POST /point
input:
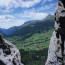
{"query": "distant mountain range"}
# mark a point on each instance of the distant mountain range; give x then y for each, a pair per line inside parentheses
(6, 32)
(29, 27)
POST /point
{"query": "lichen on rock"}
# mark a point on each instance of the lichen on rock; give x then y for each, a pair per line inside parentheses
(9, 54)
(56, 52)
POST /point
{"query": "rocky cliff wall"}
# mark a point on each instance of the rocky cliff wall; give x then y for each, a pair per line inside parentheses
(56, 52)
(9, 54)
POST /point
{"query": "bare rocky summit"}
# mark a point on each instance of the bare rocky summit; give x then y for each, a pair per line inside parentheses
(9, 54)
(56, 52)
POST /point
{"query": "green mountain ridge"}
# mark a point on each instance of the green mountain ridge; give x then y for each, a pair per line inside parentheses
(31, 27)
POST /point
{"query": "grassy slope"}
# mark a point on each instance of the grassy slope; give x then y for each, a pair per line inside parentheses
(35, 42)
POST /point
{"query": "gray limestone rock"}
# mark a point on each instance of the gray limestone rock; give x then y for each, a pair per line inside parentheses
(56, 52)
(9, 54)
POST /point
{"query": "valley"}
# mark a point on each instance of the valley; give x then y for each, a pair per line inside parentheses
(32, 39)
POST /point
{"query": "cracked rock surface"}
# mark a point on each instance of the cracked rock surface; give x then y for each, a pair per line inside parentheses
(56, 52)
(9, 54)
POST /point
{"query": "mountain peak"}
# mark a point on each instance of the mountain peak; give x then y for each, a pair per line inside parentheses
(49, 16)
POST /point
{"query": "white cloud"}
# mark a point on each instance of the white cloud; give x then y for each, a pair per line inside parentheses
(44, 1)
(29, 3)
(37, 16)
(6, 16)
(49, 0)
(7, 5)
(46, 7)
(31, 15)
(7, 21)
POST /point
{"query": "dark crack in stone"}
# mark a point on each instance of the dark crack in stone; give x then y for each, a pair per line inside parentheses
(1, 63)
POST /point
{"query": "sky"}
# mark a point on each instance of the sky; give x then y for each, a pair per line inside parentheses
(16, 12)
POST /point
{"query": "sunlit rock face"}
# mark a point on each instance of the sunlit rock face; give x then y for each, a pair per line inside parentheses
(56, 52)
(9, 54)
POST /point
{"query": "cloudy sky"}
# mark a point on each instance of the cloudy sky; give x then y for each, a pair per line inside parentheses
(16, 12)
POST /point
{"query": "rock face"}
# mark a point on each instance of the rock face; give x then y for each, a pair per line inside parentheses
(56, 52)
(9, 54)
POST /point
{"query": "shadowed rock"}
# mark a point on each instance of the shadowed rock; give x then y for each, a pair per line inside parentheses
(9, 54)
(56, 52)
